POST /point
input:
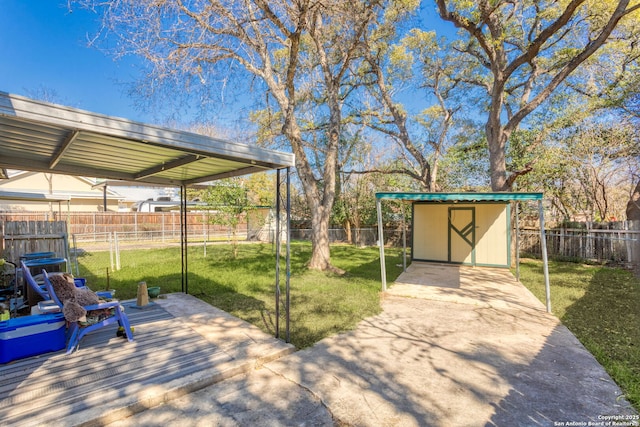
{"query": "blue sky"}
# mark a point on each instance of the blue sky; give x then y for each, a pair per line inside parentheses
(44, 47)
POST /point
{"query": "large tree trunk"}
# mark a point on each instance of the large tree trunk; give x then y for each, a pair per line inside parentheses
(320, 255)
(319, 197)
(633, 206)
(319, 204)
(496, 139)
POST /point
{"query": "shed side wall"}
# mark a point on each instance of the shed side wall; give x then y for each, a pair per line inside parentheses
(492, 246)
(430, 232)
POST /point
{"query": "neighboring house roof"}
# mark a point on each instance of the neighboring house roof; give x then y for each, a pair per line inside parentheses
(64, 187)
(24, 196)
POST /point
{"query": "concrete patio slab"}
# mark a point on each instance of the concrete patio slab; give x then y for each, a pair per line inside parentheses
(453, 346)
(433, 363)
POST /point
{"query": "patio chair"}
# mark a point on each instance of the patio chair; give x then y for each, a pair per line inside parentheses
(40, 290)
(77, 330)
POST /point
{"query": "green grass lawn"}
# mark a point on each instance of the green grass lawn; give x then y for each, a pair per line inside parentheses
(322, 304)
(601, 306)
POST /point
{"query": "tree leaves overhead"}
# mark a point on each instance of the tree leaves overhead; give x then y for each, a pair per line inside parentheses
(384, 86)
(527, 50)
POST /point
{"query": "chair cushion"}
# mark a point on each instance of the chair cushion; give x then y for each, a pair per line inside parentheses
(63, 288)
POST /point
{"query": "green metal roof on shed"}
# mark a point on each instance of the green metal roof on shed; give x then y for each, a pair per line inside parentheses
(460, 197)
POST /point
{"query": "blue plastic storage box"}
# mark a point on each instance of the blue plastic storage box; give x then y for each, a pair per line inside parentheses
(31, 335)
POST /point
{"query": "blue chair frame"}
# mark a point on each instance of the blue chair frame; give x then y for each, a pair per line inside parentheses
(42, 289)
(77, 332)
(31, 281)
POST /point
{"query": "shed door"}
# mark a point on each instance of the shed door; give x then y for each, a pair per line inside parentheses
(462, 235)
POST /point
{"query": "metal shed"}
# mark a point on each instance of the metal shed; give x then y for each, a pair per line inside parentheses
(44, 137)
(462, 228)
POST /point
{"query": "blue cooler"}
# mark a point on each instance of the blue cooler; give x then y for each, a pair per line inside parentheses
(31, 335)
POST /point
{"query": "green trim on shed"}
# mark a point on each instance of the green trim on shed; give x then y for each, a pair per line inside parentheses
(462, 197)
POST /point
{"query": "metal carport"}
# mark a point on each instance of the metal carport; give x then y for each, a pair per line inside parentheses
(462, 198)
(44, 137)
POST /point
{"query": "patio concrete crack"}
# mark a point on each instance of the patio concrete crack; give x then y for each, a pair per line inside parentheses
(337, 421)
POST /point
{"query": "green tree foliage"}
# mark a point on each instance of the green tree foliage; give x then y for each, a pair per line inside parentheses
(355, 206)
(524, 51)
(359, 86)
(261, 189)
(289, 51)
(465, 166)
(394, 61)
(586, 170)
(228, 205)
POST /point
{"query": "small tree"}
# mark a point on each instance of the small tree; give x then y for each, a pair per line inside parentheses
(633, 205)
(229, 204)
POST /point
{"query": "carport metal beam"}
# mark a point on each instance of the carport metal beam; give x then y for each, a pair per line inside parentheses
(65, 146)
(468, 198)
(182, 161)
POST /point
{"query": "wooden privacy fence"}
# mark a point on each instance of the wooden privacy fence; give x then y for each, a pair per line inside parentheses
(359, 236)
(98, 226)
(21, 237)
(24, 232)
(619, 246)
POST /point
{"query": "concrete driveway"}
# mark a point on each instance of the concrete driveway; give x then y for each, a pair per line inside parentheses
(454, 346)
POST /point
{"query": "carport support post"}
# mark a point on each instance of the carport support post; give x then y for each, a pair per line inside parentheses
(104, 197)
(277, 290)
(545, 261)
(288, 267)
(404, 239)
(517, 241)
(183, 238)
(288, 254)
(383, 270)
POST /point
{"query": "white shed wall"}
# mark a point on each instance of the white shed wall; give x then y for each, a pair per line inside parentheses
(431, 233)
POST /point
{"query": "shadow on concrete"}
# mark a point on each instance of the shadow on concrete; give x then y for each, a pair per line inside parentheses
(444, 362)
(562, 384)
(424, 361)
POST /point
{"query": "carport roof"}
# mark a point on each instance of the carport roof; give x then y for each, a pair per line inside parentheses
(460, 197)
(43, 137)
